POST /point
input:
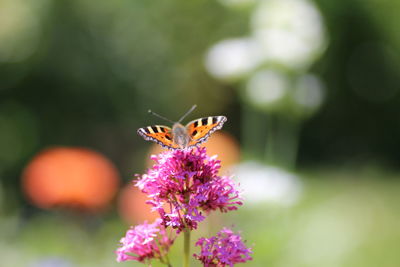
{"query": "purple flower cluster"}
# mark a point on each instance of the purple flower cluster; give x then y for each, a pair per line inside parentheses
(185, 183)
(144, 242)
(226, 248)
(183, 186)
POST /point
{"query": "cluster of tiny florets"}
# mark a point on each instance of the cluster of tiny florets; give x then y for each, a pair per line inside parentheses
(183, 184)
(224, 249)
(144, 242)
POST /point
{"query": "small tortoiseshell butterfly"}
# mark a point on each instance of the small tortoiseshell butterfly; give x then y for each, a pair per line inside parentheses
(179, 137)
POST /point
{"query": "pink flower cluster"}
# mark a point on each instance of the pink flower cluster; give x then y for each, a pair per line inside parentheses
(226, 248)
(144, 242)
(184, 184)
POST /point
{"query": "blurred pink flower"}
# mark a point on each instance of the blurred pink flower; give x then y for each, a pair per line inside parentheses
(144, 242)
(226, 248)
(187, 180)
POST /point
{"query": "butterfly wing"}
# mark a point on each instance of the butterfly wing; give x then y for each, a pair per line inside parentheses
(159, 134)
(199, 130)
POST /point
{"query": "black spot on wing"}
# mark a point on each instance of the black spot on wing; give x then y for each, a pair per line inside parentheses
(195, 124)
(204, 121)
(194, 132)
(214, 120)
(145, 133)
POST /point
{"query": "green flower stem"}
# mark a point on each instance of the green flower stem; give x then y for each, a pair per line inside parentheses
(186, 248)
(271, 136)
(253, 132)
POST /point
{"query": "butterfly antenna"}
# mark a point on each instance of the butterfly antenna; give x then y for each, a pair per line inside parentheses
(159, 116)
(187, 113)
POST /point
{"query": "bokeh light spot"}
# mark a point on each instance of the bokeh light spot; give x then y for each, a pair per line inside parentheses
(231, 59)
(19, 30)
(70, 177)
(309, 92)
(266, 184)
(132, 206)
(291, 32)
(266, 87)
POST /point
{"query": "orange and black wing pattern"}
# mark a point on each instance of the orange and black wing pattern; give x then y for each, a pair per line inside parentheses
(159, 134)
(199, 130)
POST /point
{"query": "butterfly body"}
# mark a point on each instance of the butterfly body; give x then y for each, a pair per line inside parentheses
(180, 136)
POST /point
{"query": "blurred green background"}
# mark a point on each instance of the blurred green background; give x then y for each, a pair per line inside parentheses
(83, 74)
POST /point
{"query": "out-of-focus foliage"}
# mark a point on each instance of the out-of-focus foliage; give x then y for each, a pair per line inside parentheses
(94, 70)
(339, 223)
(79, 73)
(361, 67)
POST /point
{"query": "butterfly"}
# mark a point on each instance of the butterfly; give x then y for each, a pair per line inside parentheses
(180, 137)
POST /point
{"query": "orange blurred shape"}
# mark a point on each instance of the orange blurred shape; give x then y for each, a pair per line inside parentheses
(78, 178)
(219, 143)
(132, 206)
